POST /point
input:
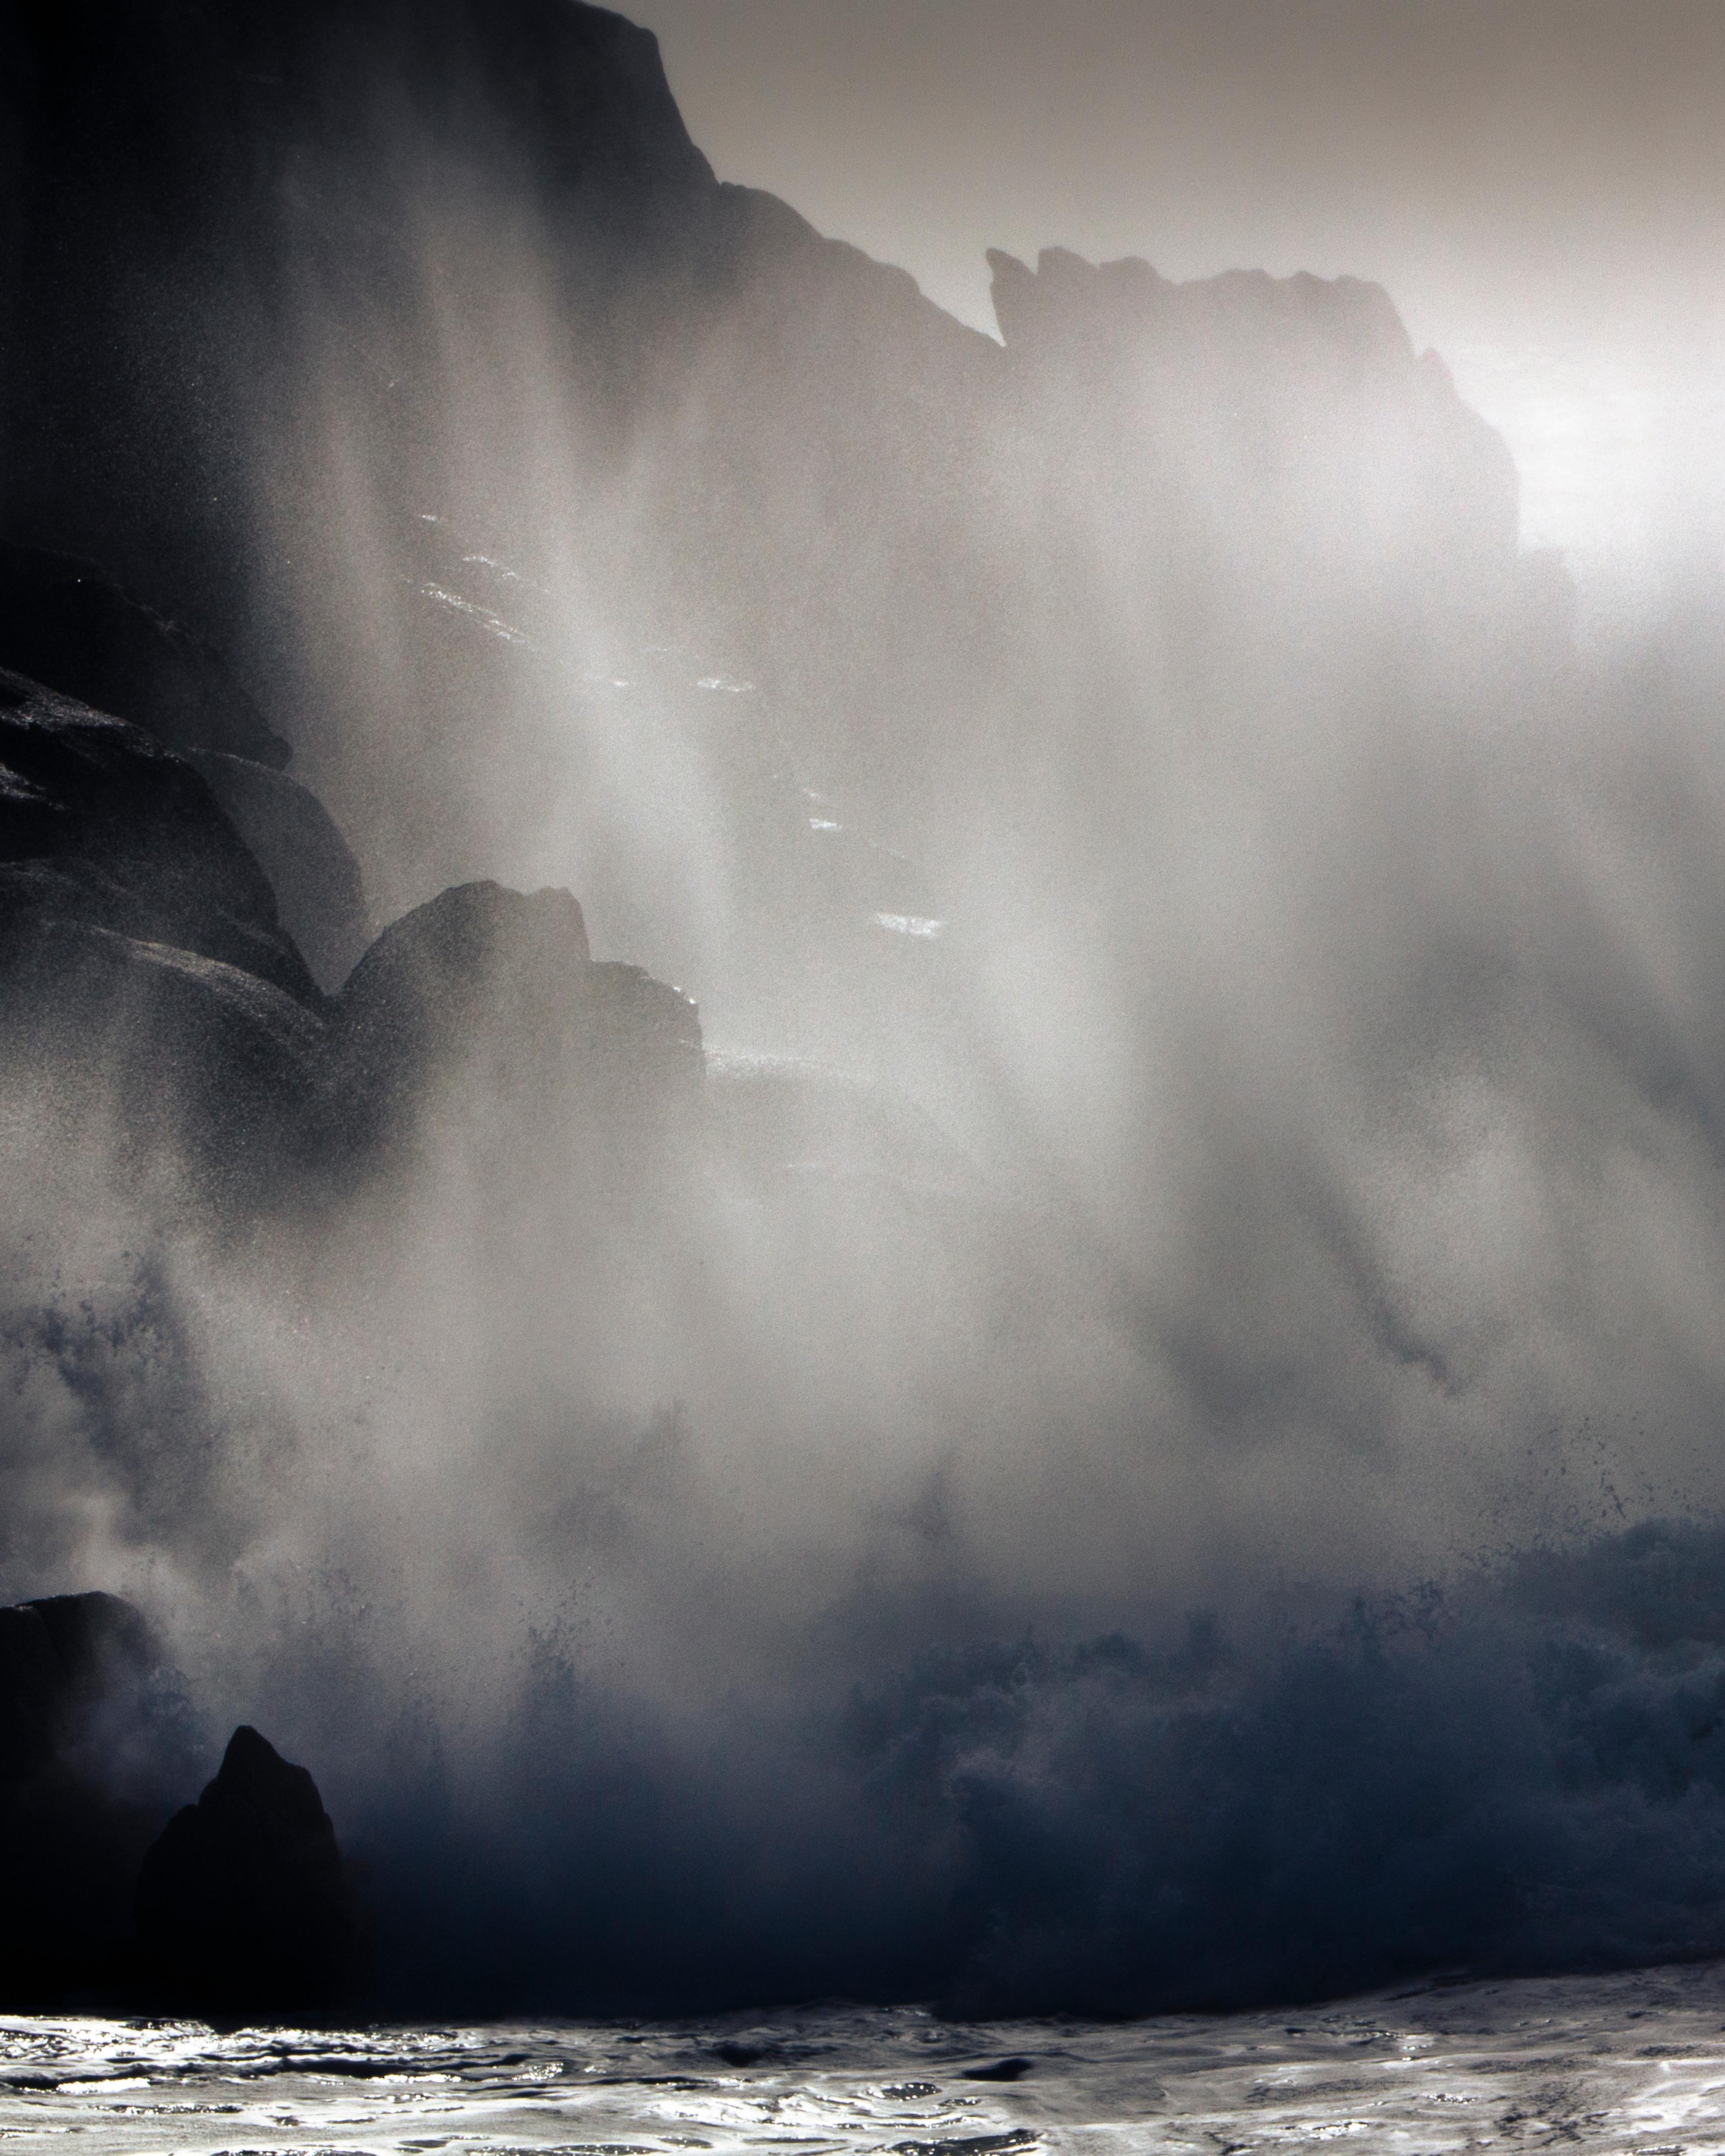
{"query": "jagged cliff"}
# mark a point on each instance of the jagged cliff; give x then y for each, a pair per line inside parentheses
(303, 293)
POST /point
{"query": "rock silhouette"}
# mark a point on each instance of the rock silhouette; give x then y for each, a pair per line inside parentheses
(67, 625)
(102, 827)
(80, 1763)
(147, 977)
(58, 1656)
(244, 1903)
(747, 374)
(478, 1023)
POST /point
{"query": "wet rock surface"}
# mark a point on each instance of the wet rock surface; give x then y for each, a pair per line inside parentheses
(153, 999)
(152, 985)
(102, 827)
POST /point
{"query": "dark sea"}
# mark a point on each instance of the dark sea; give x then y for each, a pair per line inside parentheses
(1626, 2061)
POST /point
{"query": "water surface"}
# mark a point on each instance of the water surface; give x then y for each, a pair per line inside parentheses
(1632, 2062)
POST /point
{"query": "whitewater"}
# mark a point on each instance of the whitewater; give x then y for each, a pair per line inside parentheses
(1631, 2062)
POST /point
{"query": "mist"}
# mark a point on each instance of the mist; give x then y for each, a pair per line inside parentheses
(1147, 1433)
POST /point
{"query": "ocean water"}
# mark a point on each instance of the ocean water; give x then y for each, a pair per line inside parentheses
(1632, 2062)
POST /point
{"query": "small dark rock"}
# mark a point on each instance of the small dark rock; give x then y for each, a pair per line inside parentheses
(244, 1904)
(1002, 2070)
(58, 1656)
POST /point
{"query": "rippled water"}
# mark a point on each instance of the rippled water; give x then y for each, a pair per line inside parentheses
(1630, 2062)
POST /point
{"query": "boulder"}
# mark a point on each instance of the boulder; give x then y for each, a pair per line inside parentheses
(244, 1904)
(484, 1009)
(298, 846)
(102, 826)
(58, 1656)
(153, 1003)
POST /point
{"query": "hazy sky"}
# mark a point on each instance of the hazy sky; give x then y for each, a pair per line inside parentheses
(1539, 183)
(1524, 143)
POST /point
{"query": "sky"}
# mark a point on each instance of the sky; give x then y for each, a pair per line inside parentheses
(1540, 184)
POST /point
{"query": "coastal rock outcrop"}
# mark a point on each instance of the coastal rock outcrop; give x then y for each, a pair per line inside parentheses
(103, 827)
(79, 1769)
(483, 1012)
(152, 998)
(65, 623)
(319, 891)
(58, 1656)
(244, 1903)
(1267, 466)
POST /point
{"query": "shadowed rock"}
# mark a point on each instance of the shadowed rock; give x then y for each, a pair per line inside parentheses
(57, 1656)
(298, 845)
(102, 826)
(85, 1743)
(244, 1904)
(65, 623)
(151, 1000)
(483, 1007)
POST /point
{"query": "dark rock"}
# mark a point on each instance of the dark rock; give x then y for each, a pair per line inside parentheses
(84, 1749)
(229, 163)
(484, 1005)
(212, 157)
(152, 993)
(1012, 2069)
(65, 625)
(152, 1001)
(103, 827)
(297, 842)
(58, 1656)
(171, 1063)
(244, 1903)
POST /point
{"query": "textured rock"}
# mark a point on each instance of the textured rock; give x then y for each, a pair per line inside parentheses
(244, 1904)
(485, 1006)
(152, 1002)
(295, 840)
(745, 373)
(102, 827)
(65, 625)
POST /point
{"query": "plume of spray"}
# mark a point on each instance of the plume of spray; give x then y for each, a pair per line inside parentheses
(1212, 1010)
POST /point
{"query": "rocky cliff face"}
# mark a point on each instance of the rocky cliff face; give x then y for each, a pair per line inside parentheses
(153, 997)
(1274, 443)
(297, 288)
